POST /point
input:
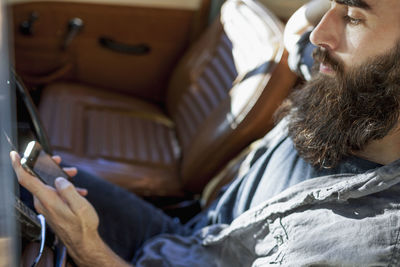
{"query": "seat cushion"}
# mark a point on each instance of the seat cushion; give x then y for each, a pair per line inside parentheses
(220, 98)
(124, 140)
(223, 93)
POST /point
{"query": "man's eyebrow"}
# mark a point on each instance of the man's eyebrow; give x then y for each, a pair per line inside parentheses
(354, 3)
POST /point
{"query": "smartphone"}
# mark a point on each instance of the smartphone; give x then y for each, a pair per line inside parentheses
(40, 164)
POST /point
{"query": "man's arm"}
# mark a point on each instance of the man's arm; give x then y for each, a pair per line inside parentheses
(303, 19)
(72, 218)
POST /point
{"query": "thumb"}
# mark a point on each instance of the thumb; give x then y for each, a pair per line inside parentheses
(68, 193)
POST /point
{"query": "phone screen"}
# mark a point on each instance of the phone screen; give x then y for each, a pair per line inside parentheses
(46, 169)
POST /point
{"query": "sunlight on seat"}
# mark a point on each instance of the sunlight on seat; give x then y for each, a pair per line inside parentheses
(255, 45)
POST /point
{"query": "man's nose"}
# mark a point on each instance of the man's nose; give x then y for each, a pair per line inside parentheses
(327, 33)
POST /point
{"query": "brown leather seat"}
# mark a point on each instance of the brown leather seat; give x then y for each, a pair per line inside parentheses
(221, 97)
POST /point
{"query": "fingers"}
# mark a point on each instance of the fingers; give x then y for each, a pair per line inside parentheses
(71, 171)
(15, 160)
(57, 159)
(82, 191)
(38, 206)
(69, 194)
(33, 184)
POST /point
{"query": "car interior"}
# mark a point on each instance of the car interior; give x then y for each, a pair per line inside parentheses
(156, 96)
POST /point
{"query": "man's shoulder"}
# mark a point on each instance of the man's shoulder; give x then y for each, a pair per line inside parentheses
(269, 142)
(279, 132)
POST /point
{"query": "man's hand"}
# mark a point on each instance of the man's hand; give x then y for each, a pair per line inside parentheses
(71, 171)
(70, 215)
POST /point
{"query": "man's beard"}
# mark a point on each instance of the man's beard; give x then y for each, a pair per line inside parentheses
(333, 117)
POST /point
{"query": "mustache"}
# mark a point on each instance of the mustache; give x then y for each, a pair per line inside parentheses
(321, 55)
(333, 117)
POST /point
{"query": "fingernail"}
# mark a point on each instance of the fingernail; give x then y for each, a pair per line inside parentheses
(61, 183)
(14, 155)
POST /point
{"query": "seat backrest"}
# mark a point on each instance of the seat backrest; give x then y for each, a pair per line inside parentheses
(224, 91)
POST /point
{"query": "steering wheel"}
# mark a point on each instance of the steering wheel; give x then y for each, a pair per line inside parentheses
(37, 124)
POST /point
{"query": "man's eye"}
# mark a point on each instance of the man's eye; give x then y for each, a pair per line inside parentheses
(352, 21)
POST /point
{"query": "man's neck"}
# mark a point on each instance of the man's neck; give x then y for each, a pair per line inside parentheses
(383, 151)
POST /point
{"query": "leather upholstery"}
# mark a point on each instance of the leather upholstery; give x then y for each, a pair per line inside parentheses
(167, 31)
(238, 166)
(125, 140)
(30, 253)
(220, 98)
(237, 75)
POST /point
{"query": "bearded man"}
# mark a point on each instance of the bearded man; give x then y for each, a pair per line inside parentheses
(322, 189)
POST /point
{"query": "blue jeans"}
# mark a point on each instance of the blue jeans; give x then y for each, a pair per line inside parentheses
(126, 221)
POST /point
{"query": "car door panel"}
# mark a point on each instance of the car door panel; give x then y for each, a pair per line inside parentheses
(165, 30)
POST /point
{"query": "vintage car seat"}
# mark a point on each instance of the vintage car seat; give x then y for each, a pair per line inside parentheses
(220, 98)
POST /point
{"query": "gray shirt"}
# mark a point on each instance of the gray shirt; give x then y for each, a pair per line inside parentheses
(335, 220)
(270, 169)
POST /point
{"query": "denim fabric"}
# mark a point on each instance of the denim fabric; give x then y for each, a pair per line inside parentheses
(335, 220)
(274, 166)
(126, 221)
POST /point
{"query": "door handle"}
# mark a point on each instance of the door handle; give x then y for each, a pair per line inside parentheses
(75, 25)
(26, 27)
(132, 49)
